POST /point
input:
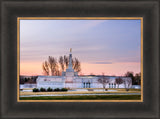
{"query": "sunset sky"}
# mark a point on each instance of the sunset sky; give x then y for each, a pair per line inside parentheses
(109, 46)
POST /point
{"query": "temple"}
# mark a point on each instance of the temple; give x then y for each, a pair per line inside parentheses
(70, 73)
(70, 79)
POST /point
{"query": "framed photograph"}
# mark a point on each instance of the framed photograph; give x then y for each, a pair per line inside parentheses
(80, 59)
(107, 67)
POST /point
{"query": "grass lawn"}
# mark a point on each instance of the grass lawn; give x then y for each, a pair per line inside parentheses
(78, 92)
(84, 97)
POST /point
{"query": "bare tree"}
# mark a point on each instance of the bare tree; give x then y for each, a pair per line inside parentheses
(103, 80)
(52, 64)
(66, 61)
(137, 79)
(61, 62)
(57, 72)
(55, 68)
(118, 81)
(45, 67)
(77, 65)
(127, 83)
(130, 74)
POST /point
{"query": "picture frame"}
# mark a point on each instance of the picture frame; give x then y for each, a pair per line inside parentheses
(148, 9)
(140, 97)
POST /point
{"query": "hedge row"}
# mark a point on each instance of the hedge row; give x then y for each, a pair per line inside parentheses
(49, 89)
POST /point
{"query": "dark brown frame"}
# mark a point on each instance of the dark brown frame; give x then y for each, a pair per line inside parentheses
(11, 9)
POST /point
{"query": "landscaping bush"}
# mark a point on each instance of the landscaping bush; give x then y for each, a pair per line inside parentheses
(64, 89)
(35, 90)
(42, 89)
(49, 89)
(56, 89)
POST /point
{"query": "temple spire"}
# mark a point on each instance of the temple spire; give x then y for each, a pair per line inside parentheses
(70, 69)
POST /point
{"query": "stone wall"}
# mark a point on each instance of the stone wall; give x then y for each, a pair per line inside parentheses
(79, 82)
(22, 86)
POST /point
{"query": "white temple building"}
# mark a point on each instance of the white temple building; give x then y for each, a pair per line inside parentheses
(70, 79)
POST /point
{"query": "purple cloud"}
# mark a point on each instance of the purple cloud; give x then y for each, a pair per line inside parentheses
(101, 62)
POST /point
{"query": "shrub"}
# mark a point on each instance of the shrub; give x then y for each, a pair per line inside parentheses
(56, 89)
(127, 89)
(35, 90)
(49, 89)
(42, 89)
(64, 89)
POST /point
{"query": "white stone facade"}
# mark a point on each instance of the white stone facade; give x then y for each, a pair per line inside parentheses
(79, 82)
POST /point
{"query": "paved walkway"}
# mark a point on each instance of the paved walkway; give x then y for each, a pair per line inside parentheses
(81, 94)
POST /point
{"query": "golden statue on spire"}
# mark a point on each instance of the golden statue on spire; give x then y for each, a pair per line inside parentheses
(70, 50)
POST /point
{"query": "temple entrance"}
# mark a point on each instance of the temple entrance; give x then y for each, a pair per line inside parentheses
(87, 85)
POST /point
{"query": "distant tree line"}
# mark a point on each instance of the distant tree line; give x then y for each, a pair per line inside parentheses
(31, 79)
(55, 67)
(136, 79)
